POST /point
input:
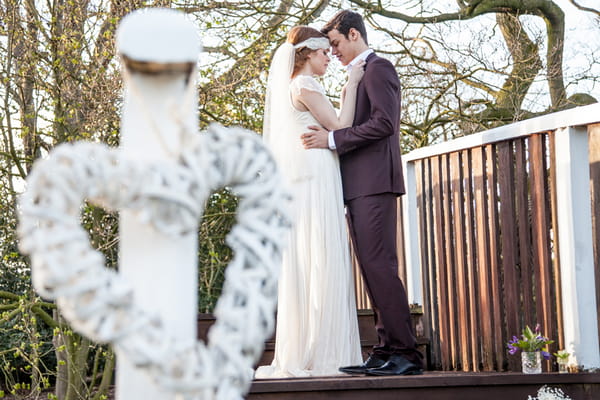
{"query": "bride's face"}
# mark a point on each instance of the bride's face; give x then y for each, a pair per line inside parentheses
(318, 61)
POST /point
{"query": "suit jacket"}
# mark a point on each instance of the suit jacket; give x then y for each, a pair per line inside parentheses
(369, 151)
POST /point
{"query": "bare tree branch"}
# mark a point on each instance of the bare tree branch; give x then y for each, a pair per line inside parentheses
(588, 9)
(546, 9)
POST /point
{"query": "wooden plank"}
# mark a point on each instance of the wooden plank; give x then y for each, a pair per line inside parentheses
(470, 242)
(422, 232)
(540, 225)
(449, 261)
(483, 257)
(494, 262)
(430, 386)
(508, 218)
(594, 155)
(524, 231)
(360, 290)
(430, 265)
(400, 243)
(440, 260)
(409, 226)
(559, 342)
(460, 261)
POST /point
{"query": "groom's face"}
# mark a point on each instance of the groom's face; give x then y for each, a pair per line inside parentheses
(342, 47)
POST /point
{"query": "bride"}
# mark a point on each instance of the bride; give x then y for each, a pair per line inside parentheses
(317, 329)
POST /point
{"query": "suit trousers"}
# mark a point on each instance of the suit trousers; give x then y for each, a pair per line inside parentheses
(372, 222)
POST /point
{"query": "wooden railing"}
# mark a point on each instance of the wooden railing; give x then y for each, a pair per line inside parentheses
(500, 230)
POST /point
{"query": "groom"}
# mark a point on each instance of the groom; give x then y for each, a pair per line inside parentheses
(372, 180)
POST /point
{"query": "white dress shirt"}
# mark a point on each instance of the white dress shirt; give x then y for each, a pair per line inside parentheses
(361, 57)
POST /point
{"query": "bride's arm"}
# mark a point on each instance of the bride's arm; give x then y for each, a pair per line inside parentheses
(322, 109)
(349, 95)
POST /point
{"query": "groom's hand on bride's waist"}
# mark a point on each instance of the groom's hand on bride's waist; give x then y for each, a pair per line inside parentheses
(317, 138)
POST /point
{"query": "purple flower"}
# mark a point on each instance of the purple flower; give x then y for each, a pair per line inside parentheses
(546, 355)
(530, 341)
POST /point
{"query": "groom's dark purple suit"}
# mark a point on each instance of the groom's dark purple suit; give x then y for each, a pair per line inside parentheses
(372, 179)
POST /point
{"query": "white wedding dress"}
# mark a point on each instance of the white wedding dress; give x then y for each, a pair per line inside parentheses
(317, 329)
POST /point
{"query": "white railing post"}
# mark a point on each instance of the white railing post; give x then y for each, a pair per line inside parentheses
(157, 106)
(576, 247)
(160, 179)
(414, 278)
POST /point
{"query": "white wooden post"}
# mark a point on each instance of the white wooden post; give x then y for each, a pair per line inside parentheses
(414, 277)
(160, 178)
(576, 246)
(157, 106)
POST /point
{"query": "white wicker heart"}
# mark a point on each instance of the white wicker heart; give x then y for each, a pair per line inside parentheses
(99, 303)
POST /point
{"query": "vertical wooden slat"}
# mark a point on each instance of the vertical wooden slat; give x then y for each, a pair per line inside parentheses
(436, 353)
(471, 246)
(508, 218)
(450, 281)
(594, 155)
(400, 242)
(423, 239)
(460, 261)
(497, 316)
(360, 290)
(524, 225)
(440, 260)
(541, 244)
(483, 257)
(559, 342)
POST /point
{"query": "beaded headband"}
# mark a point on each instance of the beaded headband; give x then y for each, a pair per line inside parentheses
(314, 43)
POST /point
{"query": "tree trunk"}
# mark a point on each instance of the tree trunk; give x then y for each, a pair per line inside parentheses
(526, 63)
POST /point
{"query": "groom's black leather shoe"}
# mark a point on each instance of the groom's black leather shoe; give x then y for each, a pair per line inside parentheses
(374, 361)
(396, 365)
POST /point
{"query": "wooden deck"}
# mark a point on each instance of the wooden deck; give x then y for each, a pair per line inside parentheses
(368, 336)
(429, 386)
(432, 385)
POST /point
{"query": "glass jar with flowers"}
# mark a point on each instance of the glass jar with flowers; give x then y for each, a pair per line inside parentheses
(562, 359)
(533, 347)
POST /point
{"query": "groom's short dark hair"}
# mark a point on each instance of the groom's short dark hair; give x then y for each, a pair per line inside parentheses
(343, 21)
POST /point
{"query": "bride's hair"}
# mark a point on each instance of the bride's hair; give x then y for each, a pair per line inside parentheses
(299, 34)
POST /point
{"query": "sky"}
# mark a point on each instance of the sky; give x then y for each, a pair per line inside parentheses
(582, 37)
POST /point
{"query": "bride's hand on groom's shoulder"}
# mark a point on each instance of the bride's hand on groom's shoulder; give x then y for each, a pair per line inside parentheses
(356, 73)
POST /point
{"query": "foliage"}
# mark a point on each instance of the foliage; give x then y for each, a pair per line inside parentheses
(38, 350)
(25, 355)
(214, 255)
(530, 341)
(562, 356)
